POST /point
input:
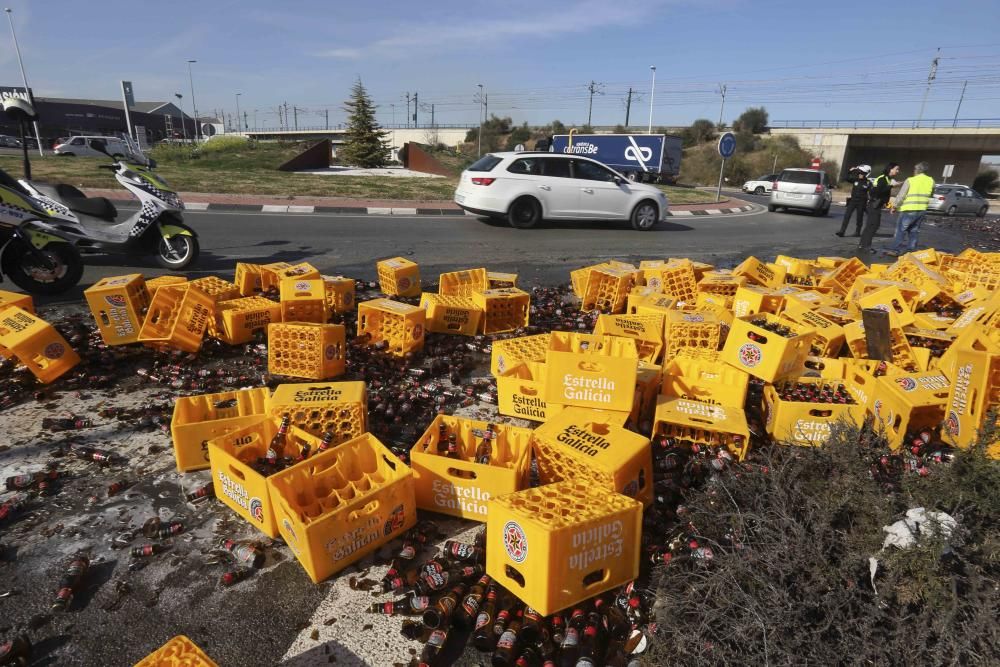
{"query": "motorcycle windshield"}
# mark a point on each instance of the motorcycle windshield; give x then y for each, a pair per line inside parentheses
(152, 179)
(16, 207)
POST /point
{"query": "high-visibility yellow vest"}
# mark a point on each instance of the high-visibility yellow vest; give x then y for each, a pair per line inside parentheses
(918, 193)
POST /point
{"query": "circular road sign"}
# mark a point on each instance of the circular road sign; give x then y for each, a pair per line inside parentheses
(727, 145)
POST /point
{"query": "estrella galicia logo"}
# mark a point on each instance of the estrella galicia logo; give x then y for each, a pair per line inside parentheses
(952, 424)
(694, 318)
(906, 384)
(515, 542)
(331, 352)
(257, 509)
(291, 531)
(750, 355)
(418, 331)
(404, 284)
(302, 286)
(115, 300)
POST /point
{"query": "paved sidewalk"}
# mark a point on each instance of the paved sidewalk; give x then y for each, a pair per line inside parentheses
(203, 201)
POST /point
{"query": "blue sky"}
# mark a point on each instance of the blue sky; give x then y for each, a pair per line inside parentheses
(801, 60)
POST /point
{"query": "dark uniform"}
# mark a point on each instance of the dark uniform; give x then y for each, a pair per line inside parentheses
(878, 197)
(857, 202)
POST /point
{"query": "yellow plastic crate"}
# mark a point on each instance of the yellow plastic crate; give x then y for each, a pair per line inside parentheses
(560, 544)
(707, 381)
(585, 445)
(338, 407)
(647, 387)
(178, 652)
(398, 325)
(198, 419)
(217, 288)
(911, 269)
(679, 281)
(765, 354)
(689, 423)
(607, 290)
(118, 305)
(306, 350)
(36, 344)
(806, 423)
(521, 392)
(339, 293)
(463, 283)
(451, 314)
(899, 348)
(341, 505)
(646, 330)
(975, 393)
(22, 301)
(460, 486)
(697, 329)
(591, 371)
(248, 279)
(753, 299)
(154, 284)
(509, 351)
(499, 279)
(300, 271)
(760, 273)
(658, 304)
(303, 300)
(238, 320)
(638, 295)
(270, 275)
(828, 337)
(912, 401)
(889, 300)
(237, 484)
(398, 277)
(649, 273)
(178, 317)
(721, 283)
(504, 309)
(841, 278)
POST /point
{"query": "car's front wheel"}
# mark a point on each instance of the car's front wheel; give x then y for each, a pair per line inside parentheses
(645, 216)
(772, 208)
(524, 213)
(982, 212)
(759, 190)
(952, 210)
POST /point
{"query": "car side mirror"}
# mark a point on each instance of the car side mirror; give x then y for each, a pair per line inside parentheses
(618, 180)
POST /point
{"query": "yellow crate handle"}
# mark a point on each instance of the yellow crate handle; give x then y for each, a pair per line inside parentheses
(590, 367)
(529, 391)
(370, 508)
(461, 473)
(236, 471)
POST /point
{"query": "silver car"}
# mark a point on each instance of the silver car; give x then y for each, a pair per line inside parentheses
(7, 141)
(957, 200)
(807, 189)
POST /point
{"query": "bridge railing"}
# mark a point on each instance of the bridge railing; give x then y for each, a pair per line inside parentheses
(926, 123)
(343, 128)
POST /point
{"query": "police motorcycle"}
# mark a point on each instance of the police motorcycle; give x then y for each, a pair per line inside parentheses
(92, 224)
(35, 255)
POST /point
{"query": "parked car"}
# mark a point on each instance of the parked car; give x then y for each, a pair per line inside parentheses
(7, 141)
(760, 186)
(527, 187)
(807, 189)
(82, 146)
(956, 200)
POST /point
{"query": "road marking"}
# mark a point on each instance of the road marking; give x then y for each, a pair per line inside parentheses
(713, 211)
(197, 206)
(682, 213)
(379, 210)
(736, 210)
(273, 208)
(403, 211)
(301, 209)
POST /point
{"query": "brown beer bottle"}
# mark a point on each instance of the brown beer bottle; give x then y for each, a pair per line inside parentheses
(277, 447)
(442, 443)
(407, 605)
(507, 645)
(468, 611)
(484, 452)
(433, 647)
(440, 614)
(482, 634)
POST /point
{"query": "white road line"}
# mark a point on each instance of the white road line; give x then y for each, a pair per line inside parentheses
(682, 212)
(403, 211)
(713, 211)
(379, 210)
(301, 209)
(196, 206)
(273, 208)
(735, 210)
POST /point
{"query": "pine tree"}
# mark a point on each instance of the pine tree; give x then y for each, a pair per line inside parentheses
(365, 145)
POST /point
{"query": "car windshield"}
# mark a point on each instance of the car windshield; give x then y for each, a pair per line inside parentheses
(485, 163)
(942, 190)
(807, 177)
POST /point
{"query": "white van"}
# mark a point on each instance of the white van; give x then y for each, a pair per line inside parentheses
(81, 146)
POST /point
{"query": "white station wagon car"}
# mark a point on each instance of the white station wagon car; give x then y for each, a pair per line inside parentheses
(527, 187)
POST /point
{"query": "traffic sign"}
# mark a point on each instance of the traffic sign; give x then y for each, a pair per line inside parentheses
(727, 145)
(815, 163)
(949, 169)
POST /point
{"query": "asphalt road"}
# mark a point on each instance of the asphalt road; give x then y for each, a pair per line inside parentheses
(350, 245)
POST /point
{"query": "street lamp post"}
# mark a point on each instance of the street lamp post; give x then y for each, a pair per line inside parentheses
(183, 124)
(652, 90)
(24, 77)
(238, 130)
(194, 106)
(481, 98)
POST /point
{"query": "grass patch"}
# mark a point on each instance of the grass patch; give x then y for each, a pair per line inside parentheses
(687, 195)
(238, 168)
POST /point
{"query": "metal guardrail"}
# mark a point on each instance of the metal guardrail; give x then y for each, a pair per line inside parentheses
(927, 123)
(343, 128)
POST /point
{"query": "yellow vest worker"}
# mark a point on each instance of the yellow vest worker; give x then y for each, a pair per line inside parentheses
(917, 194)
(911, 202)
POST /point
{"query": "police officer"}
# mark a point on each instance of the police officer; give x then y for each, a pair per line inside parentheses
(858, 201)
(878, 198)
(911, 202)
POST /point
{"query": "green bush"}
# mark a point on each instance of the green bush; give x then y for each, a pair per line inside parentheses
(223, 144)
(986, 181)
(755, 156)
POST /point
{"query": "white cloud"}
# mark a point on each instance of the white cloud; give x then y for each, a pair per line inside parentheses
(346, 54)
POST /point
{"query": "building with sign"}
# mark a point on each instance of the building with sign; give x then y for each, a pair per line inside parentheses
(63, 117)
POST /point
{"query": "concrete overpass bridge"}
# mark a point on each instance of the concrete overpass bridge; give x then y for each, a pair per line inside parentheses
(450, 135)
(962, 143)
